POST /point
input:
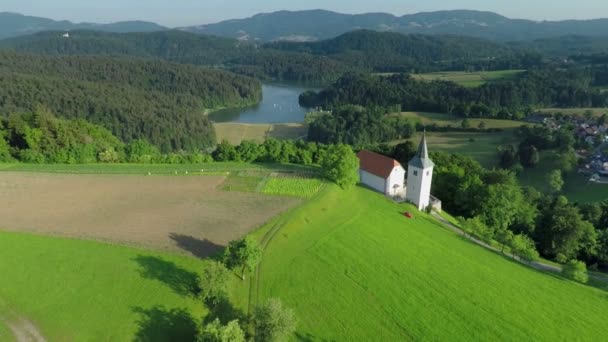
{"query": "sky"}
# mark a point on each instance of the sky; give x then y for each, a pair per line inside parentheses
(175, 13)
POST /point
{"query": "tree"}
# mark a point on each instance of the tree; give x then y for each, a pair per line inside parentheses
(214, 282)
(465, 123)
(575, 270)
(556, 182)
(340, 165)
(528, 155)
(272, 322)
(475, 226)
(562, 230)
(244, 253)
(505, 237)
(524, 248)
(140, 151)
(5, 154)
(508, 156)
(216, 332)
(225, 152)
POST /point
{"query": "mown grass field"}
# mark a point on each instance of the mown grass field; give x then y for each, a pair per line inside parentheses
(234, 132)
(73, 290)
(470, 79)
(482, 147)
(294, 187)
(354, 269)
(455, 121)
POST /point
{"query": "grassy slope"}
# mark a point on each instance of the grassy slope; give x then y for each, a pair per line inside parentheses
(354, 268)
(78, 290)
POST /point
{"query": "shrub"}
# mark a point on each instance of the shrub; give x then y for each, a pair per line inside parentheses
(575, 270)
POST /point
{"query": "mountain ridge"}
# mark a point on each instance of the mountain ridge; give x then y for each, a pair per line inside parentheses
(323, 24)
(16, 24)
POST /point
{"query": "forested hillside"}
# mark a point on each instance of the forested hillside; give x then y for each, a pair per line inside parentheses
(504, 99)
(322, 62)
(387, 51)
(157, 101)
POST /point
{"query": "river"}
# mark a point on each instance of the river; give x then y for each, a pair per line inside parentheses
(279, 105)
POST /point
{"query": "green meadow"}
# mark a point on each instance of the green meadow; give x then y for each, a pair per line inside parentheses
(470, 79)
(443, 120)
(355, 269)
(577, 187)
(74, 290)
(482, 147)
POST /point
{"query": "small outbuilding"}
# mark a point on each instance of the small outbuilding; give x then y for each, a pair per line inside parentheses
(381, 173)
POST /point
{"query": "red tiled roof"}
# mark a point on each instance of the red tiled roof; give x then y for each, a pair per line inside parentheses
(377, 164)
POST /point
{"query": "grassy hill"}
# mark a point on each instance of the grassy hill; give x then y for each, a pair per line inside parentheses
(354, 268)
(87, 291)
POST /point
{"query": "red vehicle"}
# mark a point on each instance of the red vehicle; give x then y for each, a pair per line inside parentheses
(408, 215)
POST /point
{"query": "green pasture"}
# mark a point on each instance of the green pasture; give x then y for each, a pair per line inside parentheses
(74, 290)
(470, 79)
(295, 187)
(355, 269)
(577, 187)
(444, 120)
(482, 147)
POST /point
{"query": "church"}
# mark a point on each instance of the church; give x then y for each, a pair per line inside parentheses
(387, 175)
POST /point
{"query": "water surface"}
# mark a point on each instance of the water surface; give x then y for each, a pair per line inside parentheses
(279, 105)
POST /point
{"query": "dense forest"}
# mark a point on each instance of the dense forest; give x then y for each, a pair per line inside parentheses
(321, 62)
(507, 99)
(393, 52)
(158, 101)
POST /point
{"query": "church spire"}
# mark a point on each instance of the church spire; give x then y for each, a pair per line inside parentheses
(421, 159)
(423, 151)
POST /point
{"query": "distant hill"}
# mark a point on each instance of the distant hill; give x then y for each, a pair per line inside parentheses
(13, 24)
(394, 51)
(321, 24)
(176, 46)
(564, 46)
(322, 61)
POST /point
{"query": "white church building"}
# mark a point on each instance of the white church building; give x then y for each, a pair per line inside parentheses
(387, 176)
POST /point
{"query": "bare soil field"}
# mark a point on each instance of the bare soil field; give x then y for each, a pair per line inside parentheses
(185, 214)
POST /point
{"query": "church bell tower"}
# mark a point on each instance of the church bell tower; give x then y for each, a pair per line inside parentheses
(420, 177)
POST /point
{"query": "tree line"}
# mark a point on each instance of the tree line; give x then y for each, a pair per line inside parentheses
(157, 101)
(504, 99)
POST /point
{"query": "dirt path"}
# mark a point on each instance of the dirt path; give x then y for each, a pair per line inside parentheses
(25, 331)
(534, 264)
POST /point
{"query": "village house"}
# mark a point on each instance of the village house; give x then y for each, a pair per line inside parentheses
(386, 175)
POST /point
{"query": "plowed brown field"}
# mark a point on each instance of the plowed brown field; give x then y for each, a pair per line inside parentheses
(187, 214)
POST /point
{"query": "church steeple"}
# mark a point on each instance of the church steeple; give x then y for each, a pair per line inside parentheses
(422, 148)
(421, 159)
(420, 177)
